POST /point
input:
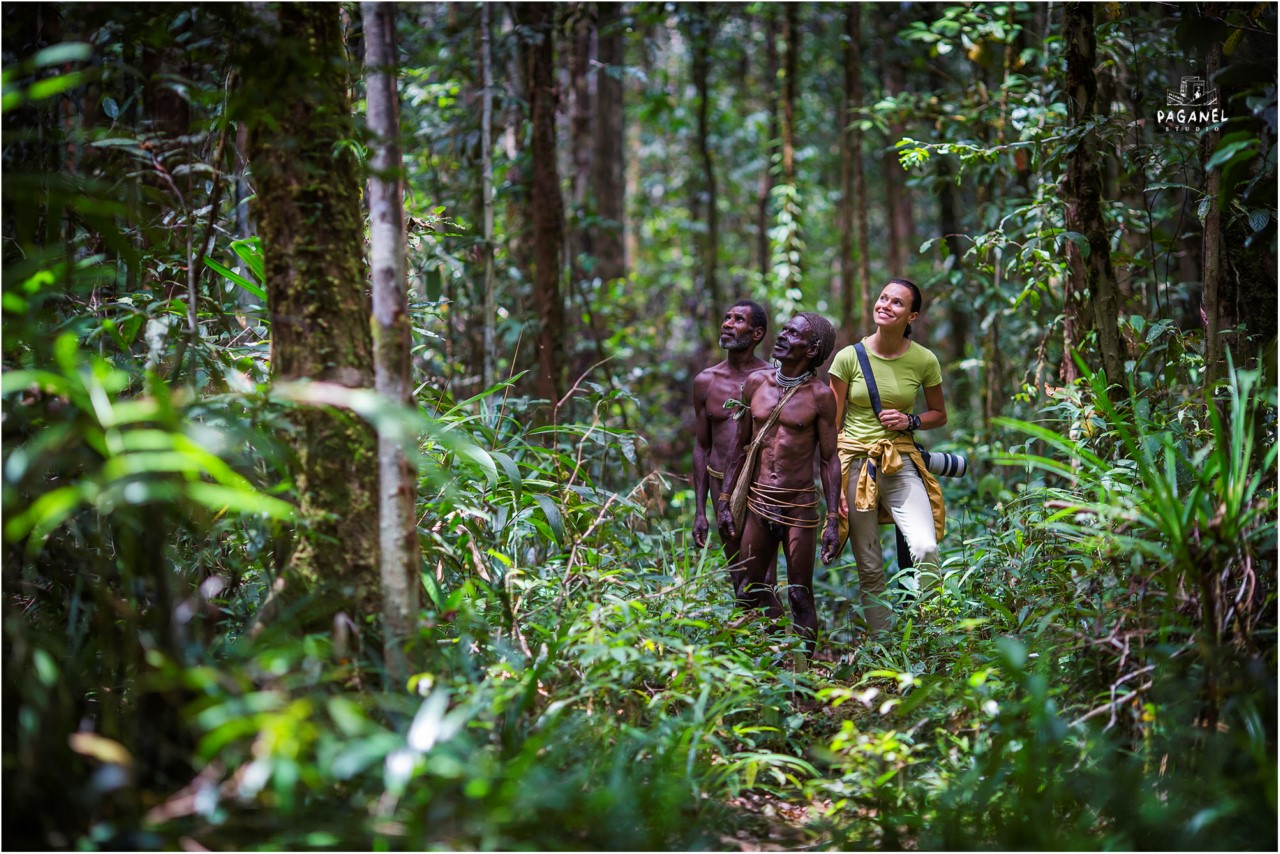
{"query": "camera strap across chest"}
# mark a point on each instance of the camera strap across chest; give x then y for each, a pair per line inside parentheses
(905, 560)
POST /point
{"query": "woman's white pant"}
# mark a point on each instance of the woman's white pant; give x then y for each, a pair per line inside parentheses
(905, 497)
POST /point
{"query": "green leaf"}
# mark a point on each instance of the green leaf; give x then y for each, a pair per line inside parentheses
(552, 512)
(238, 279)
(219, 499)
(510, 469)
(480, 457)
(249, 251)
(61, 53)
(54, 85)
(1229, 152)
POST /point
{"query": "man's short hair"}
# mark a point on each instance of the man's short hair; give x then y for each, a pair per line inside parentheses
(823, 335)
(759, 319)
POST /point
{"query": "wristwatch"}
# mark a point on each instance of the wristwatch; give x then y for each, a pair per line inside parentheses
(913, 421)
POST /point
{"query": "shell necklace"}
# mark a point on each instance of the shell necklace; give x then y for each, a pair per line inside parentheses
(785, 381)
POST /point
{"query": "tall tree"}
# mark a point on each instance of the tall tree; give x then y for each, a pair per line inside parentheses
(609, 166)
(705, 200)
(859, 184)
(546, 206)
(1089, 273)
(788, 215)
(309, 217)
(898, 216)
(1211, 252)
(853, 202)
(490, 308)
(767, 174)
(397, 494)
(582, 37)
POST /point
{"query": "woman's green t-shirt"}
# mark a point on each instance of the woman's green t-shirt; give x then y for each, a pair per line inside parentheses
(898, 380)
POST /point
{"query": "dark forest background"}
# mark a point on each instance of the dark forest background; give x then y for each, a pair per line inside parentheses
(331, 523)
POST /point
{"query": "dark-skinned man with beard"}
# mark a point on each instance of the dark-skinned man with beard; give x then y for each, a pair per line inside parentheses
(716, 392)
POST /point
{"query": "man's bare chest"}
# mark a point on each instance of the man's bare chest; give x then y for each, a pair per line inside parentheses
(798, 413)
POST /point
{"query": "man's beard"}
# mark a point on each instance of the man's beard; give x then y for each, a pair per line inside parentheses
(736, 342)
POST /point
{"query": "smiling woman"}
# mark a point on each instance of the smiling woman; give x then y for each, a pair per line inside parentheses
(883, 475)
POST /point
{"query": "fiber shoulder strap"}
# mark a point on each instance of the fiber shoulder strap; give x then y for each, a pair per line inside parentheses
(741, 487)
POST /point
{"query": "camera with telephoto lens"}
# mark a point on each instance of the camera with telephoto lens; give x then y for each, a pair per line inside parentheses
(945, 465)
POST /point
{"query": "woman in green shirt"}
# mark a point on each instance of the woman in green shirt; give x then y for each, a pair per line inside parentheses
(897, 488)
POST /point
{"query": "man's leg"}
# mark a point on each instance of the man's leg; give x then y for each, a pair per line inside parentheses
(800, 556)
(759, 548)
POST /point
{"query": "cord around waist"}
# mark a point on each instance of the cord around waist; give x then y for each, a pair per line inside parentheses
(766, 502)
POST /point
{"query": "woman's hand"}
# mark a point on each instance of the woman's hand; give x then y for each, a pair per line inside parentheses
(893, 419)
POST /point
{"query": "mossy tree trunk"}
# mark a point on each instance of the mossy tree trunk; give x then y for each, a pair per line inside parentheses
(546, 205)
(704, 205)
(609, 166)
(1091, 273)
(309, 217)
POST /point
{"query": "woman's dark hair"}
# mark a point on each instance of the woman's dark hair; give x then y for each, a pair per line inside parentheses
(917, 298)
(759, 319)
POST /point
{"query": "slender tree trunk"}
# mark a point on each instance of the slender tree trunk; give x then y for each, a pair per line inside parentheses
(398, 531)
(308, 203)
(767, 178)
(1211, 253)
(1082, 191)
(859, 173)
(790, 39)
(949, 223)
(847, 106)
(546, 206)
(789, 215)
(705, 191)
(580, 138)
(609, 166)
(486, 170)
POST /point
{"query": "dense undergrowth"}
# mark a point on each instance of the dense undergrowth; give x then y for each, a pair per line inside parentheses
(1097, 672)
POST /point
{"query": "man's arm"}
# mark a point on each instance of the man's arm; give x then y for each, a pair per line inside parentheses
(737, 453)
(829, 468)
(701, 453)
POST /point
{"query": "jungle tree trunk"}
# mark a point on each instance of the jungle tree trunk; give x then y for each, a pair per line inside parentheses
(1082, 195)
(546, 207)
(790, 38)
(859, 173)
(847, 106)
(580, 139)
(488, 370)
(608, 166)
(1211, 253)
(705, 191)
(788, 215)
(763, 217)
(309, 217)
(397, 493)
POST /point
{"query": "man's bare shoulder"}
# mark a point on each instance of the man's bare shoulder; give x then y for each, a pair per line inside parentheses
(755, 379)
(823, 396)
(707, 378)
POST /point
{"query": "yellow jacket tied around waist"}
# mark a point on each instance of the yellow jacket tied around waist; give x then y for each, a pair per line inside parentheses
(887, 456)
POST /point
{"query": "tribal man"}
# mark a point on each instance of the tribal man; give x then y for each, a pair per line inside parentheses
(716, 392)
(791, 414)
